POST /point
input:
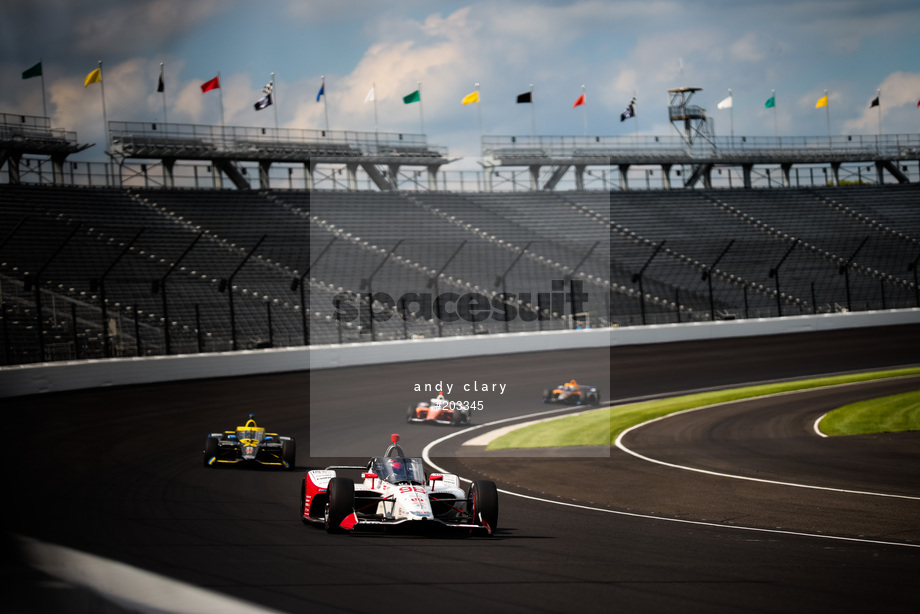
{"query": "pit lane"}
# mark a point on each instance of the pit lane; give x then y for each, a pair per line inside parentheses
(118, 473)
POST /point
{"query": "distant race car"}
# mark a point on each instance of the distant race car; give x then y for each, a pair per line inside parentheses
(572, 393)
(249, 444)
(439, 411)
(394, 492)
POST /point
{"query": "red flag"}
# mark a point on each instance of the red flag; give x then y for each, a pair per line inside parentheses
(213, 84)
(579, 102)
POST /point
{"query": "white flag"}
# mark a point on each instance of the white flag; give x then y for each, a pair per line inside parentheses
(370, 96)
(725, 104)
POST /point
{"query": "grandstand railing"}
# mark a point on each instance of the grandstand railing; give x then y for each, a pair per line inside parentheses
(897, 146)
(18, 127)
(123, 135)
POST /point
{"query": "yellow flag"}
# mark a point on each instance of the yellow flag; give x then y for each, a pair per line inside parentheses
(822, 102)
(93, 77)
(471, 97)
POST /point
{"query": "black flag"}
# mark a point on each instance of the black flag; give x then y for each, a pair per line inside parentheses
(526, 97)
(263, 102)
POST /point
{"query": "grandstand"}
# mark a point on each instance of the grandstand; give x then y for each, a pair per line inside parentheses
(29, 135)
(380, 155)
(693, 152)
(129, 270)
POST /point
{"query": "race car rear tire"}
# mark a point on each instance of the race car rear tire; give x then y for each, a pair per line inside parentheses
(288, 453)
(211, 446)
(482, 501)
(341, 503)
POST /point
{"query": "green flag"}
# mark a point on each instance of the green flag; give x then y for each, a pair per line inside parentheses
(35, 71)
(770, 103)
(415, 96)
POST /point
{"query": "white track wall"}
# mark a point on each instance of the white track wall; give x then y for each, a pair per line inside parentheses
(63, 376)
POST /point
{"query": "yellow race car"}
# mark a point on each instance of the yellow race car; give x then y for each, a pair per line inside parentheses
(249, 444)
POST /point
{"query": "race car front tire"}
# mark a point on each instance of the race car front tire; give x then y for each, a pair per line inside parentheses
(341, 503)
(410, 414)
(482, 502)
(211, 446)
(288, 453)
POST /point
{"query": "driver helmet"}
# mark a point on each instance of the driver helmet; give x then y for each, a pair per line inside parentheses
(397, 469)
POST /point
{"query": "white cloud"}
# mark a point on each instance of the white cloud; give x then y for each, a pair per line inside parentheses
(746, 49)
(898, 96)
(442, 59)
(616, 49)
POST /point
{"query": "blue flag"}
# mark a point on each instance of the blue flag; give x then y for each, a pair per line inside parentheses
(321, 93)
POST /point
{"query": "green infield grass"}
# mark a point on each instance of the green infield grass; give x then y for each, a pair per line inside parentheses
(603, 426)
(894, 414)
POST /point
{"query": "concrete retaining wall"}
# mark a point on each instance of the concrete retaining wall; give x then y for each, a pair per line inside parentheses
(62, 376)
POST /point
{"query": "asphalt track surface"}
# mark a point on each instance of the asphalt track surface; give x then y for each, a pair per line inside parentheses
(118, 473)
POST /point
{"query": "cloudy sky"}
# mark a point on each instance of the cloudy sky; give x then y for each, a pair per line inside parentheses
(616, 49)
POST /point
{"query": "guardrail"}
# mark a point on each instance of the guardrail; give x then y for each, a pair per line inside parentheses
(75, 375)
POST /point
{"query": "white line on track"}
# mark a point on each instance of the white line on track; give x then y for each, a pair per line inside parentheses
(622, 446)
(426, 456)
(817, 426)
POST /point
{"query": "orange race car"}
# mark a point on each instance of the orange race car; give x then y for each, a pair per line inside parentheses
(572, 393)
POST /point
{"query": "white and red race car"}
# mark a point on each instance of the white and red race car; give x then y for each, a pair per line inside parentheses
(439, 411)
(395, 492)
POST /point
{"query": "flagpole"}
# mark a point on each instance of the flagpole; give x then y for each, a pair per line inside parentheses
(44, 104)
(325, 104)
(163, 92)
(878, 96)
(421, 116)
(775, 129)
(827, 109)
(479, 112)
(585, 110)
(533, 115)
(220, 93)
(275, 104)
(105, 119)
(636, 115)
(731, 113)
(374, 88)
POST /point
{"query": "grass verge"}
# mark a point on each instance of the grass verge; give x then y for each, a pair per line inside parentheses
(893, 414)
(603, 426)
